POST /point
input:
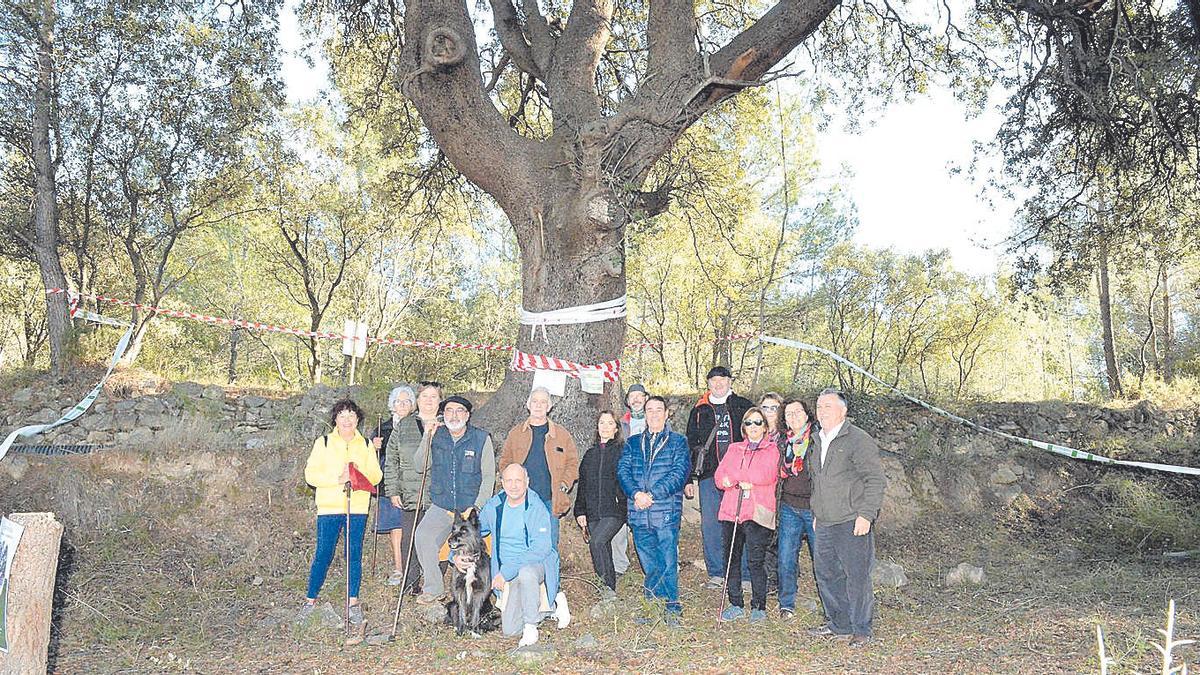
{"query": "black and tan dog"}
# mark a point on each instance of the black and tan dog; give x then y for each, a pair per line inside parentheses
(470, 607)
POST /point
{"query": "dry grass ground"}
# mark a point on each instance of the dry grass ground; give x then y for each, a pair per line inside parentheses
(179, 562)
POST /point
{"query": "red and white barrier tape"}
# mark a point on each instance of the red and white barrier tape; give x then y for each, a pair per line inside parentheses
(525, 363)
(274, 328)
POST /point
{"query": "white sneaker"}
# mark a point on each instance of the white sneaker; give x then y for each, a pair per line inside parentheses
(528, 636)
(561, 611)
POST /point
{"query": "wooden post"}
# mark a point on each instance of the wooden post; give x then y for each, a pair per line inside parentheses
(31, 593)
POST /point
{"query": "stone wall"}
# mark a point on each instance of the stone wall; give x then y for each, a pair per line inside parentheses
(931, 462)
(245, 420)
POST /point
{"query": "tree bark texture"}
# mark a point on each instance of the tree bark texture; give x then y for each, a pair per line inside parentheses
(31, 593)
(1110, 350)
(45, 206)
(570, 196)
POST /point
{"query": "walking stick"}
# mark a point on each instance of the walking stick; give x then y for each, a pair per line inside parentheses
(412, 538)
(729, 559)
(346, 540)
(375, 534)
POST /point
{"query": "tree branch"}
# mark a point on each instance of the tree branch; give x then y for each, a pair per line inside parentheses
(671, 33)
(743, 62)
(513, 39)
(443, 81)
(572, 72)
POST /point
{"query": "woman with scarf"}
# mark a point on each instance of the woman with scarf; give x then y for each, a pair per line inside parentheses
(747, 474)
(795, 488)
(771, 405)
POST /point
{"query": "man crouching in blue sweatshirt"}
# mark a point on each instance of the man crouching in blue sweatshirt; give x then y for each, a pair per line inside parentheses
(652, 470)
(523, 556)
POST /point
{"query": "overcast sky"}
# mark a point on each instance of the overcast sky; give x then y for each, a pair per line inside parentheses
(901, 182)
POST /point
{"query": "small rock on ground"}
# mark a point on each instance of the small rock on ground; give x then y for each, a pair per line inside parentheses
(434, 613)
(965, 574)
(890, 574)
(586, 641)
(534, 653)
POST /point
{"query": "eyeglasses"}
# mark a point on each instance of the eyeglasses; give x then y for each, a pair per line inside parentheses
(753, 423)
(455, 411)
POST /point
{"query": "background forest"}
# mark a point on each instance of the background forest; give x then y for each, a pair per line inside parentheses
(184, 179)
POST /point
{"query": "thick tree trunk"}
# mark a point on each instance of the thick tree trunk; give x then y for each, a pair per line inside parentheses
(31, 593)
(568, 259)
(1110, 351)
(45, 207)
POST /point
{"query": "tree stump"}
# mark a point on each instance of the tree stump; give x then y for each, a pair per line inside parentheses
(31, 593)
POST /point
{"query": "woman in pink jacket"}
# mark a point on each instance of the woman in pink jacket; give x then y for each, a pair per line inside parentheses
(749, 468)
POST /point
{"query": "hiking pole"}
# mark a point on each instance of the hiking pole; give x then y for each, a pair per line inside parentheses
(375, 537)
(729, 559)
(346, 540)
(412, 539)
(375, 534)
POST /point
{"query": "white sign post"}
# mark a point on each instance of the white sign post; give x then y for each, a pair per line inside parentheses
(354, 343)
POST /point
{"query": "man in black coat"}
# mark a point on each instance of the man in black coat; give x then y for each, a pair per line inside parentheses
(713, 424)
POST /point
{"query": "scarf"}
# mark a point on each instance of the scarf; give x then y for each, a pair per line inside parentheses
(793, 456)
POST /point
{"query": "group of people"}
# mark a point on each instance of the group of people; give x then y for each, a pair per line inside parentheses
(768, 477)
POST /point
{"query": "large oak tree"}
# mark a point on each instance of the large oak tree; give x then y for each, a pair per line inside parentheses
(571, 183)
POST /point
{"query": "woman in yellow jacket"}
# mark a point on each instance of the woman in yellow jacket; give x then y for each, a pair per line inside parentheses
(328, 471)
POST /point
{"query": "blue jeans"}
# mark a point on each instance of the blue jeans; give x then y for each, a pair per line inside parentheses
(658, 549)
(794, 526)
(712, 532)
(553, 526)
(329, 527)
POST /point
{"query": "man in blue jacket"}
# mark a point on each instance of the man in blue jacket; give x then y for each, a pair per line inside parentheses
(653, 470)
(523, 556)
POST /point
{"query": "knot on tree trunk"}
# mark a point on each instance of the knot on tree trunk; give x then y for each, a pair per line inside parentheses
(444, 48)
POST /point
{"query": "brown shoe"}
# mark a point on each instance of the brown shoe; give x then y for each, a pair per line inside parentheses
(859, 640)
(426, 599)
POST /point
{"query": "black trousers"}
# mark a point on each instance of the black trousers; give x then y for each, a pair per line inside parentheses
(601, 532)
(843, 563)
(754, 538)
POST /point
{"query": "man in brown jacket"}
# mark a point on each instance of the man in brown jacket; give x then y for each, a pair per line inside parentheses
(549, 455)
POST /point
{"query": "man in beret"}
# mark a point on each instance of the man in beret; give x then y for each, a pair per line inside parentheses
(462, 475)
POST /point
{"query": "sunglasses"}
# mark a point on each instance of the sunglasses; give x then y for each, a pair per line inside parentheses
(431, 383)
(769, 407)
(753, 423)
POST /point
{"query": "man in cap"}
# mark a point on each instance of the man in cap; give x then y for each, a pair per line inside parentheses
(462, 475)
(633, 422)
(713, 424)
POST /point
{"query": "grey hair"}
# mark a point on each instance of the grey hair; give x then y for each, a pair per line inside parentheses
(839, 394)
(544, 391)
(401, 389)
